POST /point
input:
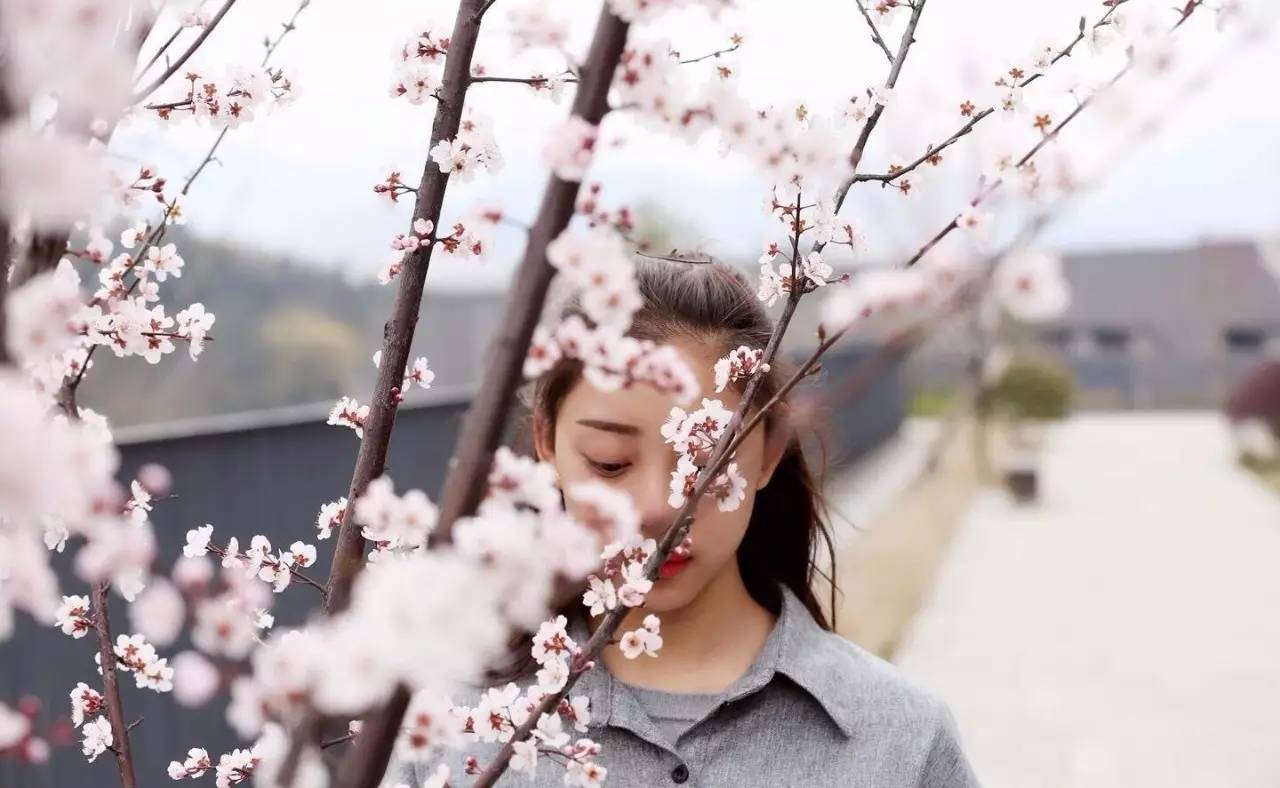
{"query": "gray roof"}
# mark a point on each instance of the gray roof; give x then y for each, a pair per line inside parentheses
(1184, 297)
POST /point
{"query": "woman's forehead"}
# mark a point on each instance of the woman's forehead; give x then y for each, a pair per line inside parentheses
(642, 404)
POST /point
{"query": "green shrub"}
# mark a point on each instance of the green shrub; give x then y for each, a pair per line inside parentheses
(1032, 387)
(930, 402)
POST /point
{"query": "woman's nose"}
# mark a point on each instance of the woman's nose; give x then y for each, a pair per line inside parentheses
(656, 515)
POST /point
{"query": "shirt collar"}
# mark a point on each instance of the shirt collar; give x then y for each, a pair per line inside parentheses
(797, 647)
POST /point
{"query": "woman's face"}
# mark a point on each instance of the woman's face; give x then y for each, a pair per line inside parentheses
(613, 437)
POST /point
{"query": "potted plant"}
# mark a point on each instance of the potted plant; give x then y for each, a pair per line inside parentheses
(1029, 392)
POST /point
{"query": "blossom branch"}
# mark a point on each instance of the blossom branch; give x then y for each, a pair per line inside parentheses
(158, 53)
(482, 429)
(465, 483)
(334, 742)
(908, 38)
(534, 81)
(734, 47)
(1048, 137)
(365, 764)
(110, 681)
(69, 386)
(933, 150)
(186, 55)
(875, 31)
(398, 332)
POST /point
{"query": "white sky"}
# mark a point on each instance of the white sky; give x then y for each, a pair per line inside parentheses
(300, 179)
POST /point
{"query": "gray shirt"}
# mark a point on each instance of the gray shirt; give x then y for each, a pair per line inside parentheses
(673, 712)
(812, 710)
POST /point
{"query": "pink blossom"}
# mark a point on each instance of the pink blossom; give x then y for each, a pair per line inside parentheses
(195, 679)
(158, 612)
(569, 150)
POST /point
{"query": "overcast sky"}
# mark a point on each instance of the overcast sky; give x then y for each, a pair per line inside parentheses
(300, 179)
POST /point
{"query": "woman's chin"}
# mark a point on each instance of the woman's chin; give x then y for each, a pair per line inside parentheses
(669, 594)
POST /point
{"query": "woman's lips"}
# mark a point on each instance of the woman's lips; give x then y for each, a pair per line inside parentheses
(673, 566)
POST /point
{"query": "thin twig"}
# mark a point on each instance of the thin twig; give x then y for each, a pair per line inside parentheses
(904, 46)
(327, 743)
(675, 257)
(1050, 136)
(523, 80)
(191, 50)
(733, 48)
(168, 42)
(875, 31)
(933, 150)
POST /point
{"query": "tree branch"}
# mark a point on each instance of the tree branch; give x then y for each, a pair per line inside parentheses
(732, 48)
(875, 32)
(365, 764)
(191, 50)
(934, 150)
(110, 679)
(482, 429)
(520, 80)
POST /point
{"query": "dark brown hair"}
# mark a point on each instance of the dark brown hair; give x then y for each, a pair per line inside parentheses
(713, 302)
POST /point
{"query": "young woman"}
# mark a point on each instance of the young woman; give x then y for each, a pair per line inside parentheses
(751, 687)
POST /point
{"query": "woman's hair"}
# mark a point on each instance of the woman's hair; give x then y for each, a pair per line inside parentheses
(712, 302)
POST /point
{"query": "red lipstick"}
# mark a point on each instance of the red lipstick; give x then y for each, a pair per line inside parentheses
(673, 566)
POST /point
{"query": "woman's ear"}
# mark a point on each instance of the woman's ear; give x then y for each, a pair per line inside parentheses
(544, 440)
(777, 439)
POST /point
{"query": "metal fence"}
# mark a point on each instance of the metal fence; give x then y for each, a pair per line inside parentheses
(269, 473)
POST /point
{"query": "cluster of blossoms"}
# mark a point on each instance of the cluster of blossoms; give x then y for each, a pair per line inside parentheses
(258, 561)
(645, 640)
(234, 99)
(1029, 286)
(420, 66)
(467, 238)
(60, 484)
(473, 149)
(740, 364)
(73, 616)
(347, 412)
(693, 436)
(497, 575)
(394, 522)
(594, 261)
(416, 373)
(135, 655)
(621, 579)
(331, 516)
(570, 148)
(501, 711)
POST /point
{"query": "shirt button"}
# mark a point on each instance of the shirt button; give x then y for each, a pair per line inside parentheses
(680, 773)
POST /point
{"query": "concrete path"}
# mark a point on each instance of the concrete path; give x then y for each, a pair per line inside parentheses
(1125, 632)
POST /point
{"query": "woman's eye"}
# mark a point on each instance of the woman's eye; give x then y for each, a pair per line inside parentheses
(607, 468)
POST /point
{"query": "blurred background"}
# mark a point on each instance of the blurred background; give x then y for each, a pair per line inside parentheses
(1068, 531)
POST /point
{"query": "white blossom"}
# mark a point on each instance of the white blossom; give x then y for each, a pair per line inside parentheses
(97, 737)
(198, 541)
(85, 702)
(570, 148)
(1031, 286)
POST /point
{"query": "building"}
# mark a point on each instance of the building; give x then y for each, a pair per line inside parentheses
(1169, 328)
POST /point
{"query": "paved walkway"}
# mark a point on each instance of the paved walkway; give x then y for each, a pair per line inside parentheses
(1125, 632)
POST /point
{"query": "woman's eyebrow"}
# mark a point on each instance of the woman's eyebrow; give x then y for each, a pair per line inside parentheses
(610, 426)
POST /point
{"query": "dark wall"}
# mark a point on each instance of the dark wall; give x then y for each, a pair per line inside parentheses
(272, 479)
